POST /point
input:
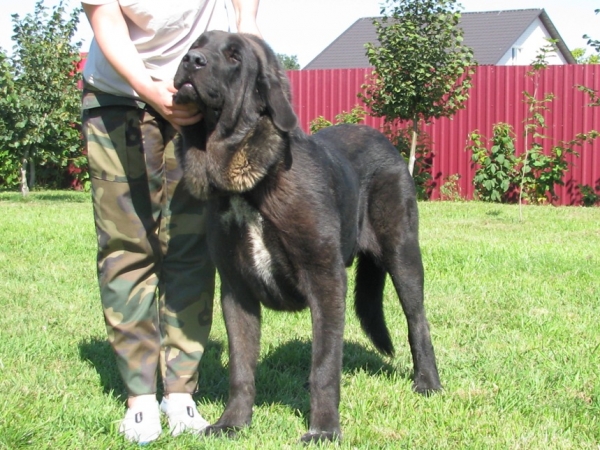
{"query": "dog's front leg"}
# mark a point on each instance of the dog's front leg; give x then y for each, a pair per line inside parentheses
(242, 320)
(327, 313)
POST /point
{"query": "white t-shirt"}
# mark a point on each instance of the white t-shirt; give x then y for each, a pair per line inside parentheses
(162, 32)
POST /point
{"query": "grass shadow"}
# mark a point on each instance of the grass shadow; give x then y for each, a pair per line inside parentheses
(54, 196)
(68, 196)
(46, 196)
(99, 354)
(282, 374)
(493, 213)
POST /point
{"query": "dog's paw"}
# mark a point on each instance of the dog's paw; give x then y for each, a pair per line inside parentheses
(427, 389)
(220, 431)
(427, 382)
(321, 437)
(428, 392)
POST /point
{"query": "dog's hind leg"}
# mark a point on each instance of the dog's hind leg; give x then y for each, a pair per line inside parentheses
(406, 270)
(244, 347)
(368, 302)
(402, 259)
(393, 215)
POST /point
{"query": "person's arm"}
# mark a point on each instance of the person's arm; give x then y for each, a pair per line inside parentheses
(112, 36)
(245, 14)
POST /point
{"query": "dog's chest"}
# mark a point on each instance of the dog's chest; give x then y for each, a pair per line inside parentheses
(245, 217)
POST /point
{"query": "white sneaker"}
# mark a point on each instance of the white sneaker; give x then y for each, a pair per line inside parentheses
(142, 421)
(182, 414)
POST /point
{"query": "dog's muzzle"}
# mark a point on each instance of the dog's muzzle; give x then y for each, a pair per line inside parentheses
(194, 60)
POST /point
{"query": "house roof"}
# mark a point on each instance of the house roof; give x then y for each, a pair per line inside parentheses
(490, 34)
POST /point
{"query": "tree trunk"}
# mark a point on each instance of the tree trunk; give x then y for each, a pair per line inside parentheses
(413, 147)
(24, 187)
(31, 173)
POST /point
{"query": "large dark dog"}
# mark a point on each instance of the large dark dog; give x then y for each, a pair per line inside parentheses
(288, 214)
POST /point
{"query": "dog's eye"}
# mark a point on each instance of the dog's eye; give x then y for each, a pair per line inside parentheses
(233, 54)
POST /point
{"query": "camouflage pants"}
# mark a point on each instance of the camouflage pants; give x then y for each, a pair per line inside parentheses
(156, 279)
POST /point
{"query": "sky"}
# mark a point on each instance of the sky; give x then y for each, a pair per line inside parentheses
(305, 27)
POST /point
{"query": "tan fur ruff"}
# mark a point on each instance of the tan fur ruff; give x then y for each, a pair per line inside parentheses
(239, 172)
(234, 170)
(258, 151)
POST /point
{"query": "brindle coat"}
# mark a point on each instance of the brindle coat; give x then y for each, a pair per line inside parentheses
(288, 214)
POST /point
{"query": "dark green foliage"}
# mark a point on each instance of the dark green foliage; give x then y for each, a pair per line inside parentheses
(402, 140)
(593, 95)
(422, 69)
(533, 175)
(497, 173)
(356, 115)
(289, 62)
(421, 65)
(590, 196)
(542, 172)
(501, 173)
(9, 169)
(40, 99)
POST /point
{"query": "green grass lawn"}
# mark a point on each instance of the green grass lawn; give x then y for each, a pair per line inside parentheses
(514, 309)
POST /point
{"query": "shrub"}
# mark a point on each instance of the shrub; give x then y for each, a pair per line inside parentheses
(497, 173)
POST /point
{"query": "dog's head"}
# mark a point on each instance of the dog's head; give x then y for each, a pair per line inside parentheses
(244, 97)
(229, 75)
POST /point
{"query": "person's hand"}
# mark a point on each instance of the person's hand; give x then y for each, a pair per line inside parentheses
(160, 96)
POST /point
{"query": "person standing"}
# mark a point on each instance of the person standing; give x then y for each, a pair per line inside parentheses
(155, 276)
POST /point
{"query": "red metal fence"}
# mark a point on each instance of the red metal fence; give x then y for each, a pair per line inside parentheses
(496, 96)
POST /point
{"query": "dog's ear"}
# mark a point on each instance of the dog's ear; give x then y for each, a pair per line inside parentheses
(274, 87)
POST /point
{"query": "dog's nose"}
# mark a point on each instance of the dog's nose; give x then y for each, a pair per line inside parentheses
(194, 59)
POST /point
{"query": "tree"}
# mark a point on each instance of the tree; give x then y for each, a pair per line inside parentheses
(42, 100)
(288, 62)
(582, 58)
(422, 69)
(9, 169)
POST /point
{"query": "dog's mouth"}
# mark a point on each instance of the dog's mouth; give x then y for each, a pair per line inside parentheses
(188, 93)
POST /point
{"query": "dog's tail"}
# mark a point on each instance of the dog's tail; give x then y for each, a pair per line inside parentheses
(368, 302)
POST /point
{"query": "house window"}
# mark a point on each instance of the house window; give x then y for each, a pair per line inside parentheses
(516, 51)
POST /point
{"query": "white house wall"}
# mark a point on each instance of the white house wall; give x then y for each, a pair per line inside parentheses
(530, 43)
